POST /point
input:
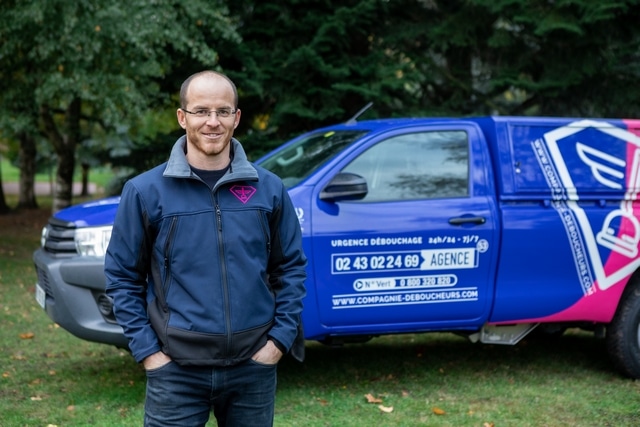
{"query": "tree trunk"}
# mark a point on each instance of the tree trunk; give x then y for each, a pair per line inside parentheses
(85, 179)
(63, 191)
(4, 208)
(64, 143)
(27, 195)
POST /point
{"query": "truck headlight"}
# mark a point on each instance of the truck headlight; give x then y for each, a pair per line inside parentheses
(92, 241)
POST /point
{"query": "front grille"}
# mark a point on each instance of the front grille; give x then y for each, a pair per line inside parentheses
(59, 238)
(43, 281)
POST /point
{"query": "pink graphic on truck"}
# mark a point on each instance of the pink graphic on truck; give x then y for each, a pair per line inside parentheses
(602, 278)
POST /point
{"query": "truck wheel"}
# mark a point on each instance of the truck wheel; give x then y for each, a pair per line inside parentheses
(623, 333)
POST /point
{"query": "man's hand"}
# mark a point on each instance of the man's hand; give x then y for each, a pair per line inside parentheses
(268, 355)
(155, 361)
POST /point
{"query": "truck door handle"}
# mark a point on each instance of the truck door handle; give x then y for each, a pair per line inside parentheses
(467, 220)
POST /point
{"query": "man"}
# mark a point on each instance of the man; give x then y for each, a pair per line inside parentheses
(206, 270)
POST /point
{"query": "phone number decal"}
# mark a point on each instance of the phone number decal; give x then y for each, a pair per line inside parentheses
(420, 260)
(386, 283)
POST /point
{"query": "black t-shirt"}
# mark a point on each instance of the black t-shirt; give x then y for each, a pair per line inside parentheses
(211, 177)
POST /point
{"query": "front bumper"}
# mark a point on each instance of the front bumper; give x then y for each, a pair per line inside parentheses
(75, 297)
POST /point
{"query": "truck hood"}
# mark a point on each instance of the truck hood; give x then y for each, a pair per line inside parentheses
(93, 213)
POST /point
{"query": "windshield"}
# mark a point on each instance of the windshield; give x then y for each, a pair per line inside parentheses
(301, 159)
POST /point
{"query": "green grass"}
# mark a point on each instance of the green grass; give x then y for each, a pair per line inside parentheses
(48, 377)
(11, 173)
(100, 176)
(533, 384)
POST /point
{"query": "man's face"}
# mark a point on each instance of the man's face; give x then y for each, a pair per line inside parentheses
(208, 137)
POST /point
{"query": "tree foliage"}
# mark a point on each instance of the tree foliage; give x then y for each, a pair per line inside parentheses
(317, 63)
(73, 71)
(67, 66)
(306, 63)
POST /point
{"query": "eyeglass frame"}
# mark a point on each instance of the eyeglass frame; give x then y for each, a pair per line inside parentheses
(209, 112)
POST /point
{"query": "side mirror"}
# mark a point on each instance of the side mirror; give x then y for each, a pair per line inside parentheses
(345, 186)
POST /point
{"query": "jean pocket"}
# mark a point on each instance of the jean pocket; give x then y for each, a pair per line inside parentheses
(262, 365)
(159, 369)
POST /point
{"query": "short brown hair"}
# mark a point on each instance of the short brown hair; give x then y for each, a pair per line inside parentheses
(185, 86)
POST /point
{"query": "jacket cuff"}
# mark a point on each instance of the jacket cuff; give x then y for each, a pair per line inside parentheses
(279, 345)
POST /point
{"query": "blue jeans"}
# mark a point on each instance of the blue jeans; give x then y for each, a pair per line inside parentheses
(184, 396)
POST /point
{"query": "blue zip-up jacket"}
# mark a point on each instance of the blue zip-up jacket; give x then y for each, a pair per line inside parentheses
(206, 276)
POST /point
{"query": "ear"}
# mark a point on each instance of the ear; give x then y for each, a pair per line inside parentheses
(237, 119)
(182, 118)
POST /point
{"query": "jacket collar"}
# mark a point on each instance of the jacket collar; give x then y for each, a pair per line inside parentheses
(178, 167)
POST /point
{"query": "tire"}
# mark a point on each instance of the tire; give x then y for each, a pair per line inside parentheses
(623, 333)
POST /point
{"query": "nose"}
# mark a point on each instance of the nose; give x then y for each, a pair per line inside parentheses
(212, 118)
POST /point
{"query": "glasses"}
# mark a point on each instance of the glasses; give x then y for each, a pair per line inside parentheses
(221, 113)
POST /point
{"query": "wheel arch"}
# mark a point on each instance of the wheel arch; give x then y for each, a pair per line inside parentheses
(623, 332)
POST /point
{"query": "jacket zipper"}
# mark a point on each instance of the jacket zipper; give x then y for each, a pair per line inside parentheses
(167, 265)
(265, 232)
(225, 284)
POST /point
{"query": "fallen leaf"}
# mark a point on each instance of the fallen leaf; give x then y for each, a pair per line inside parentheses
(405, 393)
(36, 398)
(438, 411)
(71, 408)
(6, 375)
(52, 372)
(27, 335)
(322, 402)
(372, 399)
(386, 409)
(488, 425)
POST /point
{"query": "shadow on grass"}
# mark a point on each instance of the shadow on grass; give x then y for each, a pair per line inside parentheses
(427, 355)
(401, 356)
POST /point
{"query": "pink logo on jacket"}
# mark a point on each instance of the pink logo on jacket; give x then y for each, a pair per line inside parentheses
(243, 192)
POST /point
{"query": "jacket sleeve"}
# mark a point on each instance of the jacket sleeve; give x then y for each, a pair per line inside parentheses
(126, 269)
(287, 272)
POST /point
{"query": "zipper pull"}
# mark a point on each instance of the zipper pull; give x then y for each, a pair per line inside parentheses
(219, 217)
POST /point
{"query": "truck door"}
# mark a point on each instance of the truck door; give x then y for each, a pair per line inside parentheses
(419, 251)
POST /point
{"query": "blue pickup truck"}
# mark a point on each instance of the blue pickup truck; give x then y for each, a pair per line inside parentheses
(492, 227)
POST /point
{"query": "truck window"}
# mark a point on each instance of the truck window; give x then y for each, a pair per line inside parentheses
(299, 160)
(424, 165)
